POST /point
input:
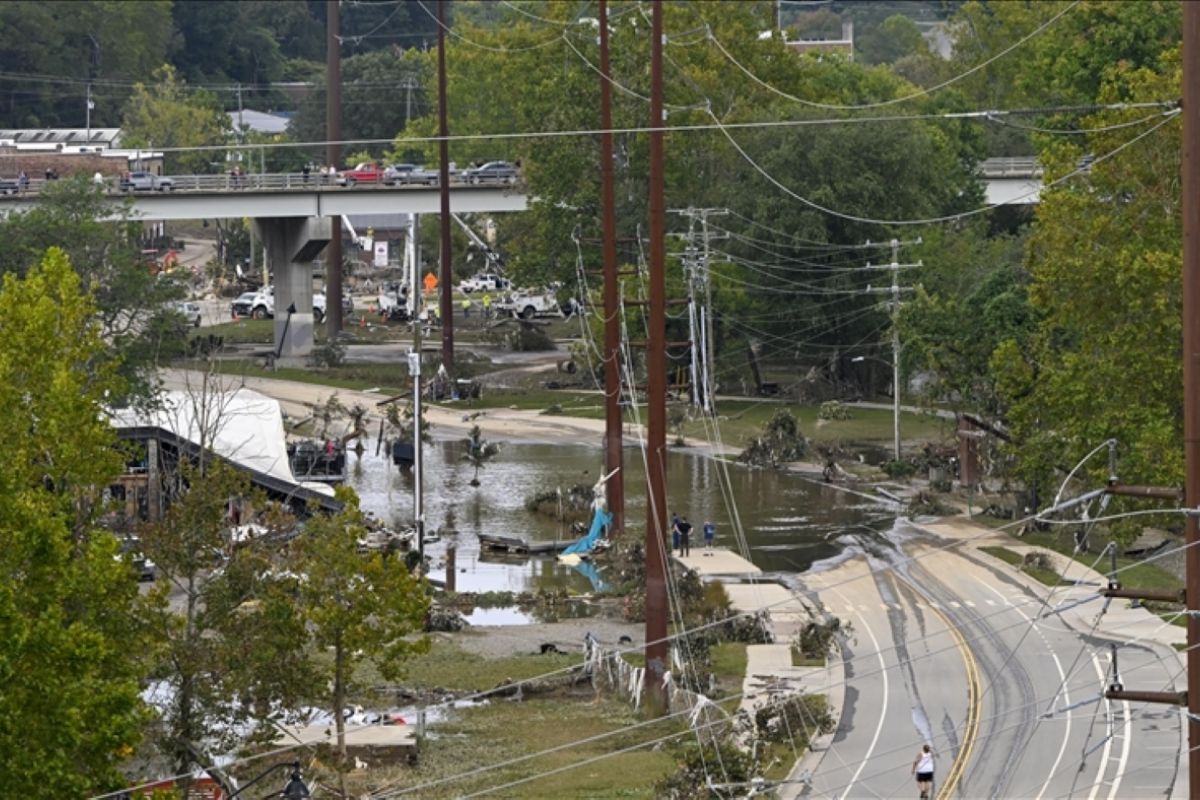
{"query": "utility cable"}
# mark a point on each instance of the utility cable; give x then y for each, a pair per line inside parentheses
(448, 29)
(564, 670)
(904, 98)
(1169, 116)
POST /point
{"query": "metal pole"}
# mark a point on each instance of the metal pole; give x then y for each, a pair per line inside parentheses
(613, 441)
(1191, 369)
(333, 154)
(89, 114)
(414, 368)
(447, 277)
(656, 393)
(896, 348)
(710, 365)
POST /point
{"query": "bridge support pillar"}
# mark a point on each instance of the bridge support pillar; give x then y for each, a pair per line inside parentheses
(291, 244)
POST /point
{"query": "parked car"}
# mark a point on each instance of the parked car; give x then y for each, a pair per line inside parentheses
(484, 282)
(189, 311)
(131, 552)
(491, 172)
(9, 186)
(145, 182)
(398, 173)
(366, 172)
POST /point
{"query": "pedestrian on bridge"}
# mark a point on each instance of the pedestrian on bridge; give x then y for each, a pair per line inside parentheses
(710, 533)
(923, 768)
(685, 537)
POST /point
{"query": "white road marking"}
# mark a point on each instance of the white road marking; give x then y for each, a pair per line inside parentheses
(1062, 677)
(1125, 746)
(883, 670)
(969, 603)
(990, 602)
(1103, 762)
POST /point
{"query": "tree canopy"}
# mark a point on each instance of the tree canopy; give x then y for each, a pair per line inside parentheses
(69, 654)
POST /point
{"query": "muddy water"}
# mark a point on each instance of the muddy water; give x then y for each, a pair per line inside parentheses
(789, 522)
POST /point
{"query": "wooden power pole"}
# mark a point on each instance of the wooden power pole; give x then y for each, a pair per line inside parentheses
(1191, 371)
(447, 277)
(613, 439)
(656, 392)
(333, 154)
(1190, 596)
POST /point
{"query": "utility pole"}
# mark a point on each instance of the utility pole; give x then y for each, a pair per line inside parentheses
(414, 369)
(89, 114)
(333, 154)
(895, 267)
(656, 392)
(409, 83)
(613, 435)
(1191, 371)
(447, 277)
(697, 261)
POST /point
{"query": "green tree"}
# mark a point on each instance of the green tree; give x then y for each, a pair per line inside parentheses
(69, 651)
(102, 245)
(357, 606)
(1104, 257)
(168, 113)
(479, 451)
(106, 41)
(898, 37)
(228, 638)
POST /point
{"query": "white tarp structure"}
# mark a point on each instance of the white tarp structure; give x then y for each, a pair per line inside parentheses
(242, 426)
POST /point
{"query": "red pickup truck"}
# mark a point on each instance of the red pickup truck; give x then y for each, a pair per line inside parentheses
(366, 172)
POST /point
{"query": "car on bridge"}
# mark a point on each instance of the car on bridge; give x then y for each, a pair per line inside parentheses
(366, 172)
(413, 175)
(145, 182)
(491, 172)
(9, 185)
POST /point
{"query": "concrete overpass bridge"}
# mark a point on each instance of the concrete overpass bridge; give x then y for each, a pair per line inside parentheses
(291, 214)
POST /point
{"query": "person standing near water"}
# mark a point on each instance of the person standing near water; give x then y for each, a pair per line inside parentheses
(710, 533)
(923, 768)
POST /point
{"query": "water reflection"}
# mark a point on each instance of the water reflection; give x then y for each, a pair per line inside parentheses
(789, 522)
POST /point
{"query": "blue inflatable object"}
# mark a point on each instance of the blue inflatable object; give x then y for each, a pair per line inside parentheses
(600, 523)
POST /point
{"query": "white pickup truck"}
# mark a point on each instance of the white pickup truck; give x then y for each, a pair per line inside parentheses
(529, 303)
(261, 304)
(484, 282)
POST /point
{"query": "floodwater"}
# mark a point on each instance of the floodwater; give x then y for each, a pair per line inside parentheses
(789, 522)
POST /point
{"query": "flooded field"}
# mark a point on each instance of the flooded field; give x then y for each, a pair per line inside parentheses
(789, 522)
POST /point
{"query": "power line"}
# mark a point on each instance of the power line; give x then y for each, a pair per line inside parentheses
(894, 100)
(1169, 116)
(450, 30)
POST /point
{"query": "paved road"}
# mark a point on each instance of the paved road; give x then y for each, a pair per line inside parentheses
(944, 651)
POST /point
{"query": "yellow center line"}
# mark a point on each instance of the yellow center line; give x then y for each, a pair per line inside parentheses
(974, 698)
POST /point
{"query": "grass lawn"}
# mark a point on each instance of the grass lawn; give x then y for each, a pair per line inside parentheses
(448, 666)
(741, 420)
(388, 378)
(1133, 573)
(504, 731)
(1046, 576)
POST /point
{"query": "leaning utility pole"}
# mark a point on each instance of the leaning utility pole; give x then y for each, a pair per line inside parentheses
(656, 393)
(1191, 371)
(447, 278)
(333, 154)
(613, 437)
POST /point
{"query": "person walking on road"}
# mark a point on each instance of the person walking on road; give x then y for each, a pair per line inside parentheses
(923, 768)
(685, 537)
(710, 533)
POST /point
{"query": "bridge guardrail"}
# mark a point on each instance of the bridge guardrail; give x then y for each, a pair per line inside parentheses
(285, 181)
